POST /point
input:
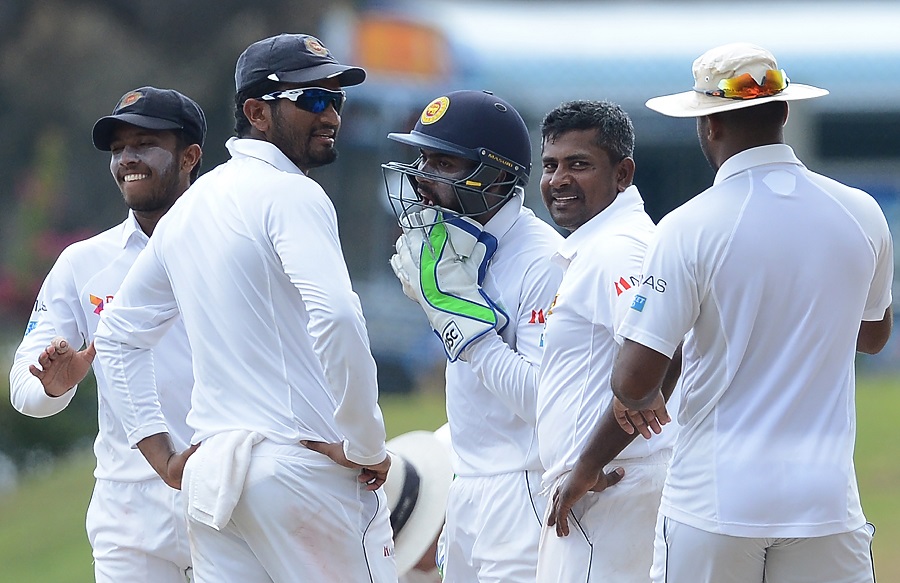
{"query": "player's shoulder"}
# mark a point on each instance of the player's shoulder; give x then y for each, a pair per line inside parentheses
(858, 202)
(267, 175)
(716, 208)
(614, 246)
(277, 187)
(92, 247)
(534, 232)
(605, 258)
(260, 191)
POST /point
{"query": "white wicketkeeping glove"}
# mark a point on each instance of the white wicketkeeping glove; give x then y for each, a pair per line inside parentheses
(442, 266)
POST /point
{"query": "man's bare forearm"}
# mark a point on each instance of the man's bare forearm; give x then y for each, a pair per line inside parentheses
(158, 449)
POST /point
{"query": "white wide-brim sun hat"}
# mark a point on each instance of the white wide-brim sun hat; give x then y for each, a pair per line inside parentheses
(416, 488)
(725, 63)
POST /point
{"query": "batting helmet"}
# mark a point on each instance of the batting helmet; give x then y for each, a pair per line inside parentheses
(476, 125)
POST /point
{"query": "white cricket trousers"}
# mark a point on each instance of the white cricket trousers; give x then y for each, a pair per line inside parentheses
(301, 518)
(138, 533)
(611, 532)
(493, 527)
(685, 554)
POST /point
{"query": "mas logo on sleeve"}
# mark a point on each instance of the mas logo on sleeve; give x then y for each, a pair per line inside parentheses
(655, 283)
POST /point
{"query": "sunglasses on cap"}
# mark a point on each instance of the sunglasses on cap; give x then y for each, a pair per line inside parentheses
(745, 86)
(312, 99)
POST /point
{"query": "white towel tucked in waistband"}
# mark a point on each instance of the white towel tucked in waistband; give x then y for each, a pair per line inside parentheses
(217, 472)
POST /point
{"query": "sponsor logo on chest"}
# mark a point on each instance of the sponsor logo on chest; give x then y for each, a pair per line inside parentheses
(99, 302)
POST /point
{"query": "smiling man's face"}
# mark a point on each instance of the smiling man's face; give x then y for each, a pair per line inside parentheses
(145, 164)
(306, 138)
(578, 177)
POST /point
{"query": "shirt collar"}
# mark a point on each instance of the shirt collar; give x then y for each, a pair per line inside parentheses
(626, 202)
(758, 156)
(503, 221)
(132, 230)
(261, 150)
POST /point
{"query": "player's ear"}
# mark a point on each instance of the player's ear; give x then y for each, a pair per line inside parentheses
(259, 114)
(625, 173)
(190, 157)
(714, 127)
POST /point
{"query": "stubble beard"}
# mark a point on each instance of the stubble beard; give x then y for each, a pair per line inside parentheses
(163, 196)
(289, 142)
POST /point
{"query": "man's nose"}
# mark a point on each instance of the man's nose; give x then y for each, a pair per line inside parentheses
(560, 177)
(128, 155)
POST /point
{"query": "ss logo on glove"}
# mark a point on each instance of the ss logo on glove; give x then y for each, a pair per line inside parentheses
(451, 336)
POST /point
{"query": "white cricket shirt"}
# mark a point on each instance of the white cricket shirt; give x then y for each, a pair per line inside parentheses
(601, 261)
(772, 269)
(250, 257)
(491, 398)
(80, 286)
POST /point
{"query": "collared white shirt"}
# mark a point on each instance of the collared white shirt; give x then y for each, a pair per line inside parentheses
(772, 269)
(491, 398)
(80, 286)
(250, 258)
(601, 261)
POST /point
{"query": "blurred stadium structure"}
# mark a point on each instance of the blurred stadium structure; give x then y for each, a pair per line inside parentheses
(534, 54)
(537, 55)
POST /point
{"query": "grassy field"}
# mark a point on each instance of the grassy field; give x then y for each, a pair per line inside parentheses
(42, 536)
(878, 469)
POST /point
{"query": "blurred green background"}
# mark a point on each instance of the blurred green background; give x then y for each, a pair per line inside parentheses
(42, 537)
(65, 63)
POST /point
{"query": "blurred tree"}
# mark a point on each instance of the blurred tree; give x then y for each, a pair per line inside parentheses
(28, 441)
(64, 64)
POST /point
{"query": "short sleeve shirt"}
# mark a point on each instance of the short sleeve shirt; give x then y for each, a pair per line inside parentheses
(770, 271)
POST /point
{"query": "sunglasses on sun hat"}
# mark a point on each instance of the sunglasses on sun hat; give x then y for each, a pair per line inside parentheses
(312, 99)
(746, 87)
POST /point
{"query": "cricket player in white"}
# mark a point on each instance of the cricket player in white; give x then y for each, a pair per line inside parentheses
(586, 183)
(135, 522)
(475, 157)
(252, 261)
(781, 275)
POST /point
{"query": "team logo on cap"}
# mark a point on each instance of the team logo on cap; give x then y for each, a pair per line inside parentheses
(129, 99)
(435, 110)
(315, 47)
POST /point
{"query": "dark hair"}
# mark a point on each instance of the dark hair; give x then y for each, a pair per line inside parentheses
(182, 141)
(241, 123)
(615, 133)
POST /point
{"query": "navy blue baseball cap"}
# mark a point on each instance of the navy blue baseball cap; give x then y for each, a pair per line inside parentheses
(153, 109)
(292, 58)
